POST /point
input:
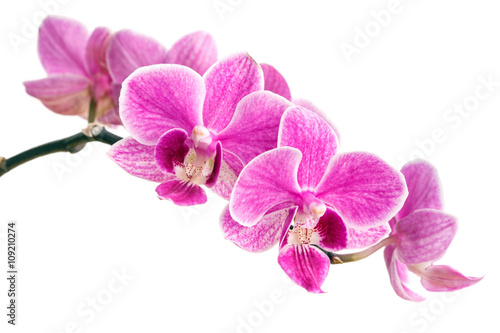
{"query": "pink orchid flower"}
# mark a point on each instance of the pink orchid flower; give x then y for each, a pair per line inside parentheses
(77, 69)
(188, 130)
(83, 68)
(323, 193)
(423, 233)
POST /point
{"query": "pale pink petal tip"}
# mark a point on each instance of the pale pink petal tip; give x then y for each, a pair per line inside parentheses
(446, 278)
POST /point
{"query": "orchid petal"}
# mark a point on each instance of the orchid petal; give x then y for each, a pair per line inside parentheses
(306, 265)
(365, 190)
(61, 46)
(111, 117)
(260, 237)
(227, 82)
(306, 104)
(158, 98)
(275, 82)
(395, 270)
(424, 235)
(171, 149)
(196, 50)
(254, 127)
(129, 50)
(268, 180)
(360, 238)
(66, 94)
(332, 231)
(309, 133)
(95, 52)
(445, 278)
(424, 189)
(212, 180)
(137, 159)
(230, 168)
(181, 193)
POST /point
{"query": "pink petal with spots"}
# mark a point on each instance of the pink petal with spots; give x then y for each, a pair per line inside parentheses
(196, 50)
(309, 133)
(446, 278)
(332, 231)
(61, 46)
(254, 127)
(365, 190)
(268, 180)
(275, 82)
(65, 94)
(136, 159)
(360, 238)
(306, 265)
(158, 98)
(227, 82)
(424, 235)
(424, 188)
(260, 237)
(129, 50)
(181, 193)
(397, 275)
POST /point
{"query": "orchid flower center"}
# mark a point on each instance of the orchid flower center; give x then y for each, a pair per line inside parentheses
(196, 168)
(201, 136)
(310, 213)
(299, 235)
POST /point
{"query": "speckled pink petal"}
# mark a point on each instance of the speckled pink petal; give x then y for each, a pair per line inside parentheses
(61, 46)
(96, 50)
(268, 180)
(158, 98)
(181, 193)
(424, 235)
(365, 190)
(260, 237)
(66, 94)
(360, 238)
(332, 231)
(306, 265)
(306, 104)
(137, 159)
(395, 269)
(171, 149)
(227, 82)
(254, 127)
(309, 133)
(196, 50)
(231, 167)
(212, 180)
(424, 188)
(445, 278)
(275, 82)
(129, 50)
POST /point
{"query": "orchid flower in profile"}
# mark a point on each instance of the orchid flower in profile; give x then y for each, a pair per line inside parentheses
(188, 130)
(306, 196)
(422, 233)
(77, 70)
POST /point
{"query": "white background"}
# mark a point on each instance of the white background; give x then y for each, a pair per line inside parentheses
(78, 226)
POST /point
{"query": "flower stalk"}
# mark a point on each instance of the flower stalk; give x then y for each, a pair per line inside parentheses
(71, 144)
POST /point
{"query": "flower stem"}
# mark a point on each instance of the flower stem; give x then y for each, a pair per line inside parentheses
(92, 109)
(336, 258)
(71, 144)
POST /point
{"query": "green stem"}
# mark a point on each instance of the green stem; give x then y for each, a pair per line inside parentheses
(336, 258)
(92, 109)
(71, 144)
